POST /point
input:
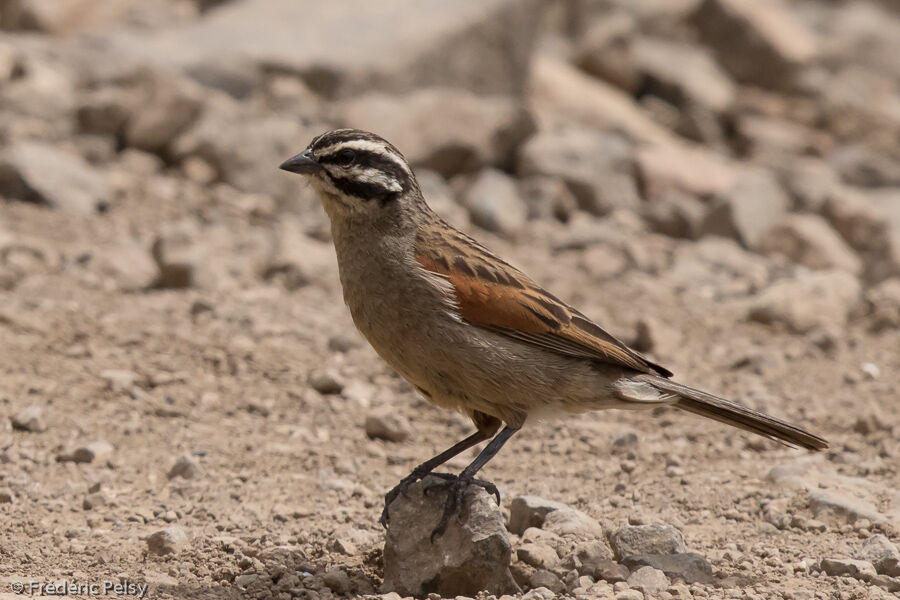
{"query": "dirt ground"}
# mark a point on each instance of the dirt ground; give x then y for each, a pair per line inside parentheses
(288, 472)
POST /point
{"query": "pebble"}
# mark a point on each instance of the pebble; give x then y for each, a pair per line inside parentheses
(95, 500)
(688, 566)
(530, 511)
(648, 580)
(337, 581)
(629, 595)
(6, 496)
(29, 419)
(186, 467)
(845, 567)
(573, 524)
(387, 425)
(538, 556)
(167, 541)
(542, 578)
(326, 382)
(97, 450)
(630, 540)
(883, 555)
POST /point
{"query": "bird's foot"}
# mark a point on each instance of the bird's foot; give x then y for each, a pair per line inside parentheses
(456, 490)
(401, 488)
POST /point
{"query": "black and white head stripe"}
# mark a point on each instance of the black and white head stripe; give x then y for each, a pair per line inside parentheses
(361, 164)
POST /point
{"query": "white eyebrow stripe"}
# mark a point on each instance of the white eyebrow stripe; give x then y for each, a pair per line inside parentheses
(367, 146)
(365, 175)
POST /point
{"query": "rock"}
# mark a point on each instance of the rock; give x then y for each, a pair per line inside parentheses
(543, 579)
(884, 303)
(94, 500)
(759, 42)
(843, 507)
(242, 147)
(186, 467)
(441, 198)
(6, 496)
(538, 556)
(471, 556)
(675, 214)
(327, 381)
(821, 299)
(106, 110)
(539, 593)
(605, 570)
(337, 581)
(170, 108)
(746, 213)
(808, 240)
(473, 131)
(170, 540)
(547, 197)
(597, 168)
(629, 595)
(630, 540)
(572, 524)
(494, 203)
(95, 451)
(683, 74)
(343, 50)
(843, 567)
(890, 584)
(687, 566)
(44, 174)
(663, 169)
(530, 511)
(387, 425)
(883, 555)
(299, 260)
(29, 419)
(648, 580)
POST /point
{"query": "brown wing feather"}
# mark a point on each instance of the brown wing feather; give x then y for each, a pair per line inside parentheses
(499, 297)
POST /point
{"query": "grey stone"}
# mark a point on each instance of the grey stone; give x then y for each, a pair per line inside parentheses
(844, 567)
(94, 500)
(820, 299)
(96, 451)
(29, 419)
(547, 197)
(649, 580)
(597, 168)
(186, 467)
(170, 107)
(6, 496)
(543, 578)
(341, 50)
(758, 42)
(530, 511)
(675, 214)
(170, 540)
(473, 131)
(629, 595)
(337, 581)
(387, 425)
(571, 524)
(630, 540)
(538, 556)
(494, 203)
(71, 185)
(748, 210)
(687, 566)
(883, 555)
(326, 381)
(808, 240)
(471, 556)
(890, 584)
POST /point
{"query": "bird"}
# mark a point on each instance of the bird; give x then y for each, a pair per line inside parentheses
(468, 330)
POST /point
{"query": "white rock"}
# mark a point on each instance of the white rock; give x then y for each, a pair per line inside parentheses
(170, 540)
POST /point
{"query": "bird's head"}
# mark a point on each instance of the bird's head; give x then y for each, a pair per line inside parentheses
(355, 172)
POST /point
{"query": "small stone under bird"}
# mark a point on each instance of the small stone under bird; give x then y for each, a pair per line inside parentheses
(469, 331)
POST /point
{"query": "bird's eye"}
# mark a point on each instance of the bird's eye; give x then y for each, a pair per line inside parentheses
(346, 156)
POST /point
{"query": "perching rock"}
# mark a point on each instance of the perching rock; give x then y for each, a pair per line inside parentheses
(471, 556)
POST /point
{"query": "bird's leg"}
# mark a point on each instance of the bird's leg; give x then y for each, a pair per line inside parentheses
(457, 487)
(428, 466)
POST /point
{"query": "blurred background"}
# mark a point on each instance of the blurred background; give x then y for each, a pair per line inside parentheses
(717, 182)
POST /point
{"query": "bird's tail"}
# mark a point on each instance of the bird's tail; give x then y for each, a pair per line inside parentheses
(735, 414)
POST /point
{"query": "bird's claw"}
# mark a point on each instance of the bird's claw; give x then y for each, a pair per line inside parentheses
(456, 491)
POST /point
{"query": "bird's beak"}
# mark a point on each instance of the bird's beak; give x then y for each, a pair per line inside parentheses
(302, 163)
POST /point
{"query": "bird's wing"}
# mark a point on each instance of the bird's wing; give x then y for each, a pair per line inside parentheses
(496, 296)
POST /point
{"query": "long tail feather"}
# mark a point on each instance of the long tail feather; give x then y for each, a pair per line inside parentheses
(735, 414)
